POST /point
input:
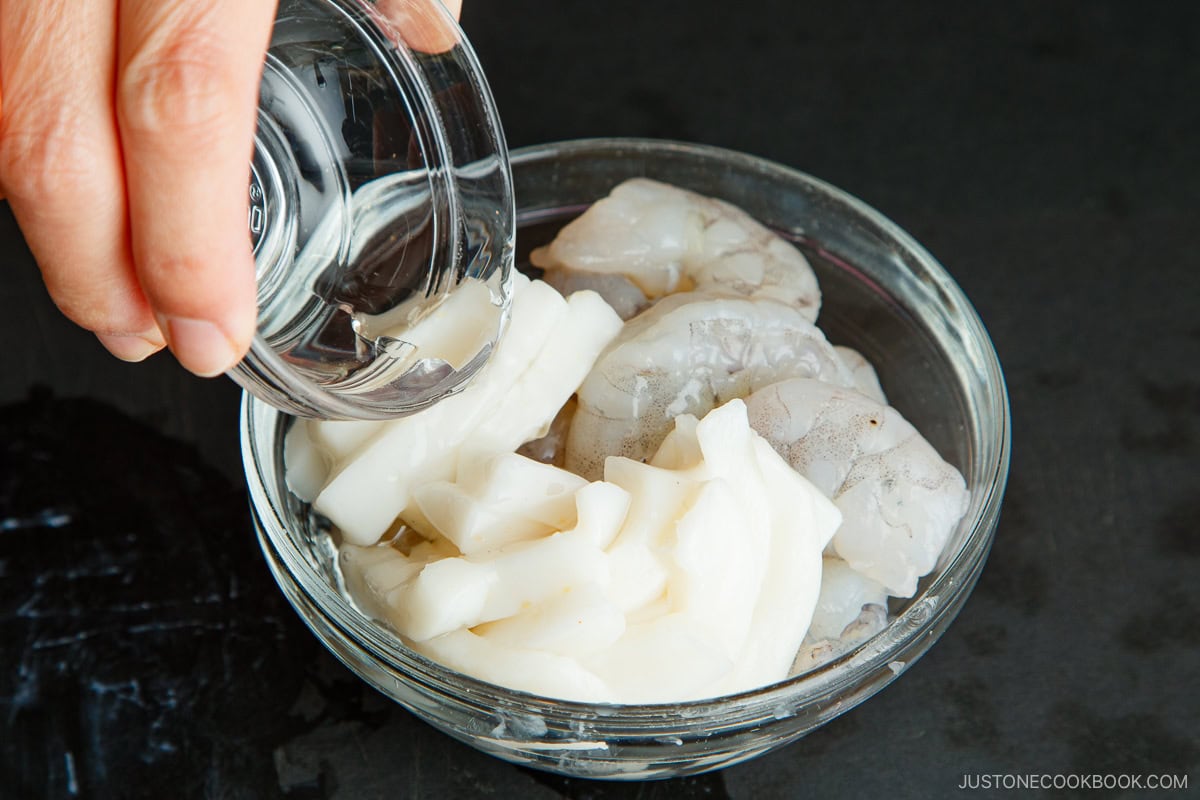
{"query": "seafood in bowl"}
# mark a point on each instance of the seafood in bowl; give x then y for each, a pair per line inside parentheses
(881, 294)
(703, 464)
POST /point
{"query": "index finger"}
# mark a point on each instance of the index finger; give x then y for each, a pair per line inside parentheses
(187, 88)
(422, 24)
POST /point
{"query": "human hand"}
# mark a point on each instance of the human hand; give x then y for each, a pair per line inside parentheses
(126, 131)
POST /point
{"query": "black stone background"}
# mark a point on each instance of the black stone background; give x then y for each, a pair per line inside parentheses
(1046, 152)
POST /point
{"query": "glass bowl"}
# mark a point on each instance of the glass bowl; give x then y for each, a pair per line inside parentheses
(883, 295)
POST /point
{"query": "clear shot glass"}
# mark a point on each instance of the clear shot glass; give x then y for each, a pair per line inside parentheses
(381, 211)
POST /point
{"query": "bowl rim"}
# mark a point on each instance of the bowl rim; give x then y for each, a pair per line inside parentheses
(925, 611)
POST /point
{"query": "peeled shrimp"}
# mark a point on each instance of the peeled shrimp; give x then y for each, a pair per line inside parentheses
(851, 608)
(866, 381)
(666, 240)
(899, 500)
(688, 354)
(872, 619)
(551, 448)
(618, 291)
(844, 593)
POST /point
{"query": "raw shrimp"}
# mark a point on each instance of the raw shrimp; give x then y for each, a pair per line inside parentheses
(618, 291)
(666, 240)
(866, 381)
(551, 448)
(688, 354)
(899, 500)
(814, 652)
(844, 594)
(851, 608)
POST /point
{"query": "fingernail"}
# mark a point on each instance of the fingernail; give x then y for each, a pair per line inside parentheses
(132, 348)
(201, 346)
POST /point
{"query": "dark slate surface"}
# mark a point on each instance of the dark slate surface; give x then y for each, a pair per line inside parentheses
(1047, 153)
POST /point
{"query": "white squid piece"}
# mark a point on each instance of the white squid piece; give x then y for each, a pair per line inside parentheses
(665, 239)
(899, 500)
(365, 480)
